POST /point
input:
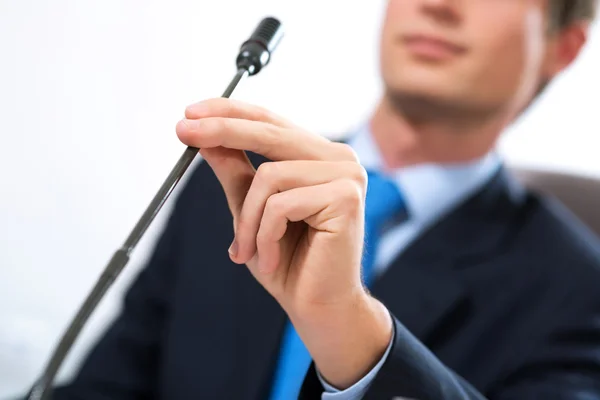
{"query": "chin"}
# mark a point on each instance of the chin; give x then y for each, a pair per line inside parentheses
(426, 90)
(423, 92)
(420, 101)
(421, 78)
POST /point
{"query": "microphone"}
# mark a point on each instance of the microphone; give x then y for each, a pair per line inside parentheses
(255, 53)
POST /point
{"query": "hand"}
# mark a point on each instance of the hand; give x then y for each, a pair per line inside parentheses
(298, 224)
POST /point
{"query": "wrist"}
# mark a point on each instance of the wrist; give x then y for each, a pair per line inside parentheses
(347, 339)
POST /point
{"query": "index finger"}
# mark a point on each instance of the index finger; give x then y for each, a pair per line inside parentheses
(230, 108)
(273, 142)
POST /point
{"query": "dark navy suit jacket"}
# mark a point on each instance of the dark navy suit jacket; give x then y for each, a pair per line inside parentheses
(500, 300)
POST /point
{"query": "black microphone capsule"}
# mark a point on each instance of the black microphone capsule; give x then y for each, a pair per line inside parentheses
(255, 52)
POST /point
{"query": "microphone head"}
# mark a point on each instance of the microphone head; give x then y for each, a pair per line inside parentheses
(255, 53)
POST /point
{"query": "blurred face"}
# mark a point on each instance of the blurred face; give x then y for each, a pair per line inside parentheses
(477, 55)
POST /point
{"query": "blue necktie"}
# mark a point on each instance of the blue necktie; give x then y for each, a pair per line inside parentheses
(384, 208)
(383, 202)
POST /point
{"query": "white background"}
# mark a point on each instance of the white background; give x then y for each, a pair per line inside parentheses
(90, 92)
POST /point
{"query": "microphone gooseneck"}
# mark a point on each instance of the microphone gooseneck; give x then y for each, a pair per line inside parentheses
(254, 55)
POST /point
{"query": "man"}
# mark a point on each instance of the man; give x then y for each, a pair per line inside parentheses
(469, 287)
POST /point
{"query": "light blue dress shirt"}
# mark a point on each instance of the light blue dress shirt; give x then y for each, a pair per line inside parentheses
(430, 191)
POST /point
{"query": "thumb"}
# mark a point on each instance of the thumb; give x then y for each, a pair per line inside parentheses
(235, 173)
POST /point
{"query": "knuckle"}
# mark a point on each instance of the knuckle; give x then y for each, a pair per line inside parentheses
(253, 112)
(227, 106)
(273, 136)
(351, 195)
(267, 172)
(270, 140)
(345, 152)
(218, 124)
(276, 205)
(358, 174)
(262, 114)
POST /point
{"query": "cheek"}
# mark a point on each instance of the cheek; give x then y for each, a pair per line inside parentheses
(396, 10)
(398, 15)
(508, 62)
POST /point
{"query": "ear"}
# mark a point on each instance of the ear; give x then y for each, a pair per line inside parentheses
(565, 46)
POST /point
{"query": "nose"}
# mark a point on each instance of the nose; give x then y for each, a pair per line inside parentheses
(443, 11)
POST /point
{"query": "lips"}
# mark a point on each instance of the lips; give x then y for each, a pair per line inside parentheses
(432, 47)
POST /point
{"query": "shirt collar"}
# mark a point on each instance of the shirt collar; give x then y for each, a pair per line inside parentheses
(429, 190)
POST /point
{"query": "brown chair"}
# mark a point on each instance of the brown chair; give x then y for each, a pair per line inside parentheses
(580, 194)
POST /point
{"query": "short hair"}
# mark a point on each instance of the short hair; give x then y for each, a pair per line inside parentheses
(567, 12)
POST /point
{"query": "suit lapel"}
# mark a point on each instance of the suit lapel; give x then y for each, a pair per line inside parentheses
(418, 297)
(423, 285)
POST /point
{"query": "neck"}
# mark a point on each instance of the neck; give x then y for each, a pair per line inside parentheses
(407, 137)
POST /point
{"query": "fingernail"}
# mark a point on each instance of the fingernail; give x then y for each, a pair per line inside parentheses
(233, 249)
(182, 126)
(197, 109)
(189, 123)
